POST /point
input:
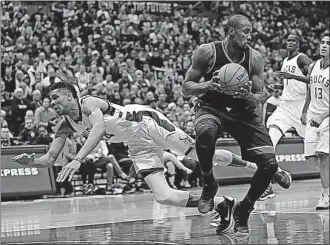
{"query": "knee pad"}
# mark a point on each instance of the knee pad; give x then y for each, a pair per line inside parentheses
(271, 167)
(207, 131)
(267, 163)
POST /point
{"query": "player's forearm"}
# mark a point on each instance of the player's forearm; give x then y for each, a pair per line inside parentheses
(95, 136)
(307, 102)
(300, 78)
(255, 99)
(44, 161)
(191, 88)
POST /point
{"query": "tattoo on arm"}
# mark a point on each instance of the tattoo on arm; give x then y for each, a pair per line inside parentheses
(257, 78)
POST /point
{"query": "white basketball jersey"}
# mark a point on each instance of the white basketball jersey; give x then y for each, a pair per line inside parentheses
(293, 89)
(120, 124)
(319, 85)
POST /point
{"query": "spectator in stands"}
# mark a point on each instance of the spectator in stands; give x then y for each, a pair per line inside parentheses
(6, 97)
(45, 115)
(36, 99)
(28, 115)
(48, 81)
(99, 160)
(173, 164)
(9, 79)
(29, 134)
(43, 137)
(18, 109)
(5, 136)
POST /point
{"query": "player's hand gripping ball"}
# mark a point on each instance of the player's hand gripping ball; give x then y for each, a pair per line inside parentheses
(234, 78)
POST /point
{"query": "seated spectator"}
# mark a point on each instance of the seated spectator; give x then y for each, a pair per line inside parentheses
(99, 159)
(43, 136)
(45, 115)
(18, 110)
(67, 155)
(28, 115)
(48, 81)
(29, 134)
(190, 129)
(171, 164)
(5, 137)
(36, 99)
(6, 97)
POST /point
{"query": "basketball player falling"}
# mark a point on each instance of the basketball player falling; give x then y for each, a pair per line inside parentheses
(217, 112)
(317, 121)
(290, 109)
(147, 133)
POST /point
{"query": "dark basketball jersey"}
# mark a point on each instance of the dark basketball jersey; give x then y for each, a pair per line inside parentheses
(219, 100)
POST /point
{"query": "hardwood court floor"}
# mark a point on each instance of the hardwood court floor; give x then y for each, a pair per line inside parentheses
(289, 218)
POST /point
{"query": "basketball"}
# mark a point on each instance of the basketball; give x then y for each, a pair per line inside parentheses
(232, 78)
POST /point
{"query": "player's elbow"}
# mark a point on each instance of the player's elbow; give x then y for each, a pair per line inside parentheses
(185, 90)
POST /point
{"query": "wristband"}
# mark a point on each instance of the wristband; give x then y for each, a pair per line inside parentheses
(77, 159)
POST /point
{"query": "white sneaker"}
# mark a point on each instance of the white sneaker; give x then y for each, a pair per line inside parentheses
(186, 184)
(323, 202)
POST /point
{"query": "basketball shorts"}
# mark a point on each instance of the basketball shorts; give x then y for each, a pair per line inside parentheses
(317, 139)
(245, 126)
(147, 145)
(286, 116)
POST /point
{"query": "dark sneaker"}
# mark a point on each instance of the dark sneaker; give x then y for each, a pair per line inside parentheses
(224, 218)
(241, 218)
(269, 193)
(283, 178)
(206, 202)
(88, 189)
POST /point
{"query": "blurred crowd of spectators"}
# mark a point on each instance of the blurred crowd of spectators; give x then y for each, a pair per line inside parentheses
(127, 53)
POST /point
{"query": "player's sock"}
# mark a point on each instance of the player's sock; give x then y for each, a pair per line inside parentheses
(325, 191)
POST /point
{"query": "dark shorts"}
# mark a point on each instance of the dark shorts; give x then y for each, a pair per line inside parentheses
(245, 126)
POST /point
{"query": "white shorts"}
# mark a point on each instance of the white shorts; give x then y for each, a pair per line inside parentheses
(286, 116)
(147, 145)
(317, 139)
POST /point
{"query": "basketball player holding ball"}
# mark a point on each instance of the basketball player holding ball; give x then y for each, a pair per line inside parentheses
(236, 114)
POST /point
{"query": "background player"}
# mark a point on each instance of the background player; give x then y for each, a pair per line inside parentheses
(290, 109)
(317, 123)
(237, 115)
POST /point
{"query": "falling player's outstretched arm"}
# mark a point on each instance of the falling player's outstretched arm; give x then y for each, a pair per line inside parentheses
(49, 158)
(202, 61)
(256, 85)
(304, 64)
(90, 107)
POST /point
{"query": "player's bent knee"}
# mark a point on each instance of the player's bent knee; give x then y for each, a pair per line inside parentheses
(109, 165)
(271, 167)
(206, 132)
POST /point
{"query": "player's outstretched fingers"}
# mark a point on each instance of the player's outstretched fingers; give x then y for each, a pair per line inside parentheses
(18, 157)
(71, 175)
(63, 174)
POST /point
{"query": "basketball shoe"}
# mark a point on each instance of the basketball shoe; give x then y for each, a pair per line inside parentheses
(223, 215)
(206, 201)
(283, 178)
(323, 202)
(269, 193)
(241, 216)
